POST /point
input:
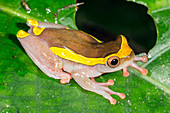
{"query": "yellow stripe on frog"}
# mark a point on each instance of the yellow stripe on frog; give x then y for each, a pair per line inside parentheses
(72, 56)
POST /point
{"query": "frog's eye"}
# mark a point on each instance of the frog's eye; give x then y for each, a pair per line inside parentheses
(113, 61)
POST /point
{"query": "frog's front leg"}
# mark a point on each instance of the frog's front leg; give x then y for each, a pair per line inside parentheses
(42, 56)
(82, 78)
(134, 65)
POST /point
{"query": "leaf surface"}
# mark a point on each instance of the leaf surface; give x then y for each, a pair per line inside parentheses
(25, 88)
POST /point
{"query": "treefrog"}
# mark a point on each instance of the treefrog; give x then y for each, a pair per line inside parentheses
(63, 53)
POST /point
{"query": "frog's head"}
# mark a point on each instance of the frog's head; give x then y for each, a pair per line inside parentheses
(115, 63)
(121, 60)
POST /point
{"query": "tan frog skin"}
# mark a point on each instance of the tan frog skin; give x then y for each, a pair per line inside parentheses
(64, 53)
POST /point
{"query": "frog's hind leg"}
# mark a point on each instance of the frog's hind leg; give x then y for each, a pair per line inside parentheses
(82, 79)
(42, 56)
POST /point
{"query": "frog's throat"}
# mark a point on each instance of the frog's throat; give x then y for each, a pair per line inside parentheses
(68, 54)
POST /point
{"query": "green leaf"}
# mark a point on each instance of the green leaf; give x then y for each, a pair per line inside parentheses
(25, 88)
(158, 63)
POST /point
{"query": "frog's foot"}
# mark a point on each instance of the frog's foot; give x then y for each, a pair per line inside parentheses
(142, 71)
(134, 65)
(110, 82)
(109, 92)
(91, 85)
(104, 87)
(112, 101)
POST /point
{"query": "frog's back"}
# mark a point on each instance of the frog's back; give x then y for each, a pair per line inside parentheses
(79, 42)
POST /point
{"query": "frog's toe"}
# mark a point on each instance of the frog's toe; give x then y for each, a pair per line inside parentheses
(122, 95)
(142, 71)
(125, 73)
(142, 58)
(110, 82)
(65, 79)
(112, 101)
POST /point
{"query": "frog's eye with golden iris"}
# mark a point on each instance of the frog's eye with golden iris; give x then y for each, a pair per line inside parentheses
(113, 61)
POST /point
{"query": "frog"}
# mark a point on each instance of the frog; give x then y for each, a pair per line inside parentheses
(65, 54)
